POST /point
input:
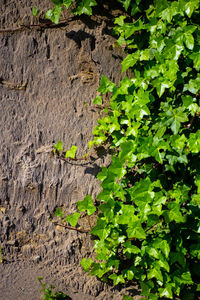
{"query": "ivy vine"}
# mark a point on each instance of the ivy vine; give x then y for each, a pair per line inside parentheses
(148, 226)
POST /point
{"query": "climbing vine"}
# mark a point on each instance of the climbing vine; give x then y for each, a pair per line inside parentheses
(148, 226)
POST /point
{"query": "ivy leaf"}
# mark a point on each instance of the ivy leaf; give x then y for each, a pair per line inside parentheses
(73, 219)
(105, 85)
(163, 245)
(194, 142)
(129, 61)
(140, 191)
(125, 297)
(120, 20)
(67, 3)
(193, 86)
(161, 85)
(176, 117)
(86, 264)
(98, 100)
(72, 152)
(35, 11)
(130, 249)
(126, 4)
(86, 204)
(54, 14)
(183, 278)
(190, 6)
(167, 291)
(189, 40)
(195, 56)
(155, 273)
(117, 279)
(102, 174)
(101, 229)
(174, 214)
(147, 287)
(58, 147)
(85, 7)
(135, 230)
(59, 213)
(107, 208)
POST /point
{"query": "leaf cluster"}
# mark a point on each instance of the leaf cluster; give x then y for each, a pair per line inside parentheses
(80, 7)
(148, 227)
(58, 149)
(49, 294)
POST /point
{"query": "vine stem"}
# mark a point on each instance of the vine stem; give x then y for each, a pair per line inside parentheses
(71, 228)
(30, 26)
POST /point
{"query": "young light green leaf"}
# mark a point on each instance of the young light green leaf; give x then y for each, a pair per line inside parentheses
(86, 264)
(54, 14)
(72, 152)
(58, 147)
(117, 279)
(105, 85)
(86, 205)
(73, 219)
(67, 3)
(98, 100)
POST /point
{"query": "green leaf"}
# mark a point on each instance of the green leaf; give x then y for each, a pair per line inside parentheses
(174, 213)
(98, 100)
(73, 219)
(116, 279)
(120, 20)
(163, 245)
(58, 147)
(189, 40)
(130, 249)
(35, 11)
(85, 7)
(67, 3)
(155, 273)
(194, 142)
(126, 4)
(135, 230)
(101, 229)
(167, 291)
(107, 208)
(190, 6)
(59, 213)
(146, 287)
(129, 61)
(195, 56)
(105, 85)
(86, 205)
(72, 152)
(183, 278)
(54, 14)
(125, 297)
(86, 264)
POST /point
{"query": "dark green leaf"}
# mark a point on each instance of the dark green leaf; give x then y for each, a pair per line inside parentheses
(35, 11)
(58, 212)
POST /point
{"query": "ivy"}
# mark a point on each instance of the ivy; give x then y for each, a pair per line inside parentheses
(148, 225)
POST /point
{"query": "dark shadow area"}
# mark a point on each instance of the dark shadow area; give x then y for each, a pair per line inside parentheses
(80, 36)
(94, 170)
